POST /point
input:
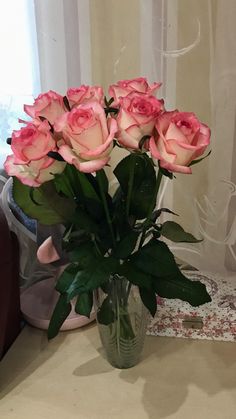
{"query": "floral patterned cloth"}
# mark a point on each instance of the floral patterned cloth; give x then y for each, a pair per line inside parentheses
(212, 321)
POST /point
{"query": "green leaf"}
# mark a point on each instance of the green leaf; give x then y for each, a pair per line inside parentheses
(104, 180)
(66, 103)
(120, 219)
(55, 155)
(60, 313)
(178, 286)
(31, 193)
(149, 299)
(83, 220)
(144, 182)
(126, 246)
(156, 214)
(50, 208)
(66, 278)
(85, 255)
(166, 172)
(93, 276)
(118, 196)
(103, 237)
(143, 141)
(135, 275)
(73, 236)
(63, 184)
(173, 231)
(105, 314)
(108, 103)
(198, 160)
(83, 186)
(89, 196)
(67, 181)
(63, 206)
(84, 304)
(155, 258)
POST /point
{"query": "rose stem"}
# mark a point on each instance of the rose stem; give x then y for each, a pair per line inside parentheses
(130, 182)
(153, 203)
(152, 206)
(104, 201)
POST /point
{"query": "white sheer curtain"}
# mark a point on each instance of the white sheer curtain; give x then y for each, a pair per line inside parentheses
(203, 56)
(63, 33)
(188, 45)
(46, 46)
(222, 231)
(19, 76)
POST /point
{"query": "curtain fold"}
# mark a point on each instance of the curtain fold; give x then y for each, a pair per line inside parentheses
(224, 118)
(19, 72)
(188, 44)
(206, 85)
(57, 23)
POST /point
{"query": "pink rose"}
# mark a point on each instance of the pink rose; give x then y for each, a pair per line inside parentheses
(49, 105)
(88, 137)
(123, 87)
(35, 172)
(85, 94)
(32, 142)
(180, 138)
(136, 118)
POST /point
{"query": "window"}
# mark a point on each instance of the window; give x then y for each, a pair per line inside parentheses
(19, 74)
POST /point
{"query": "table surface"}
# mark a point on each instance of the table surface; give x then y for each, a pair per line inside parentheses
(69, 378)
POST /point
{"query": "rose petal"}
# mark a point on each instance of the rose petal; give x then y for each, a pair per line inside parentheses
(60, 122)
(184, 154)
(158, 150)
(98, 151)
(163, 122)
(46, 174)
(100, 113)
(175, 168)
(124, 119)
(123, 87)
(88, 140)
(20, 171)
(173, 132)
(93, 165)
(83, 166)
(127, 140)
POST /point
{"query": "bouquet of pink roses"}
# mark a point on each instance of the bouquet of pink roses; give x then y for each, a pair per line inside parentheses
(58, 163)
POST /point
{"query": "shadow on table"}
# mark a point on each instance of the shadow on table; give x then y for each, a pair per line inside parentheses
(169, 366)
(24, 361)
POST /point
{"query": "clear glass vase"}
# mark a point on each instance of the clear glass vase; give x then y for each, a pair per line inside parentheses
(122, 321)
